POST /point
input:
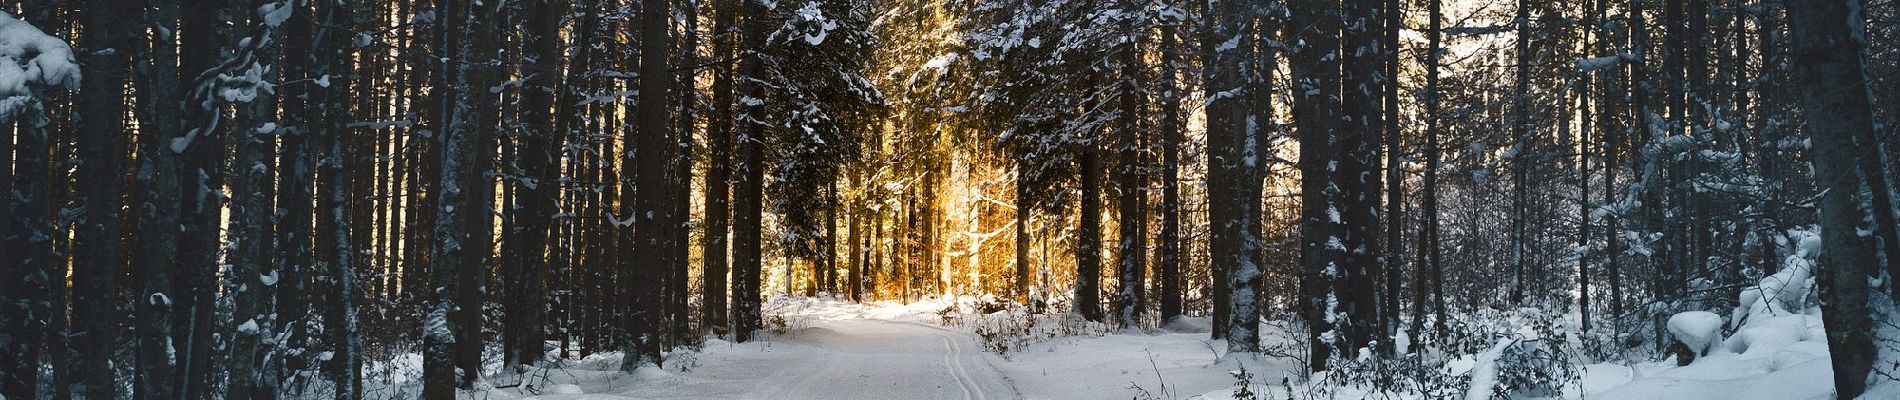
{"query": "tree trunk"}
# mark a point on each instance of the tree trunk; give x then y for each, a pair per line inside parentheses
(652, 229)
(194, 285)
(1021, 286)
(1088, 254)
(109, 38)
(525, 243)
(855, 211)
(1233, 182)
(1394, 224)
(1316, 111)
(158, 176)
(1132, 251)
(680, 194)
(1221, 74)
(294, 214)
(1520, 132)
(1358, 175)
(455, 151)
(1171, 138)
(1828, 51)
(748, 200)
(1768, 113)
(483, 71)
(250, 215)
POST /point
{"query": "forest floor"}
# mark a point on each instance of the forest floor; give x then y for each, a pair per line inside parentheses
(821, 348)
(829, 349)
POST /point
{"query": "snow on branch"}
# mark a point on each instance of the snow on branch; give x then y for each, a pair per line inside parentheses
(29, 56)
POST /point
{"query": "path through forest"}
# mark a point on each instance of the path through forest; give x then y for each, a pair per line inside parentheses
(832, 359)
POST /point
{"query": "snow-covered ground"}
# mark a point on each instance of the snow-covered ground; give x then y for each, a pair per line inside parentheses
(820, 348)
(832, 349)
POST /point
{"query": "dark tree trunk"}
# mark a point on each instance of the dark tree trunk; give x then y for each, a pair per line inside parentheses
(1428, 235)
(1316, 112)
(1769, 128)
(535, 193)
(1641, 122)
(680, 194)
(194, 285)
(294, 214)
(1358, 176)
(1088, 253)
(455, 151)
(748, 200)
(1520, 132)
(481, 63)
(1132, 251)
(1234, 184)
(1221, 74)
(1394, 223)
(831, 236)
(719, 168)
(1171, 138)
(1828, 72)
(251, 208)
(159, 110)
(855, 211)
(652, 159)
(109, 37)
(329, 123)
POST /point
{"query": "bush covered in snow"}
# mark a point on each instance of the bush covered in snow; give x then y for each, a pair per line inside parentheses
(1016, 327)
(1504, 354)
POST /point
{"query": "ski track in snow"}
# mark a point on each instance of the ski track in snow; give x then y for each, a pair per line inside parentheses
(839, 359)
(953, 361)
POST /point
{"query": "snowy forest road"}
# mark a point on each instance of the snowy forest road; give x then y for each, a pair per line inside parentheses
(835, 359)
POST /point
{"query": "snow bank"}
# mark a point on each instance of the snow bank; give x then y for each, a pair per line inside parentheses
(1784, 291)
(1778, 351)
(1700, 330)
(29, 56)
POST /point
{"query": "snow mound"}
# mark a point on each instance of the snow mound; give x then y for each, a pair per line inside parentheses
(1699, 330)
(1778, 351)
(566, 388)
(1186, 324)
(1784, 292)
